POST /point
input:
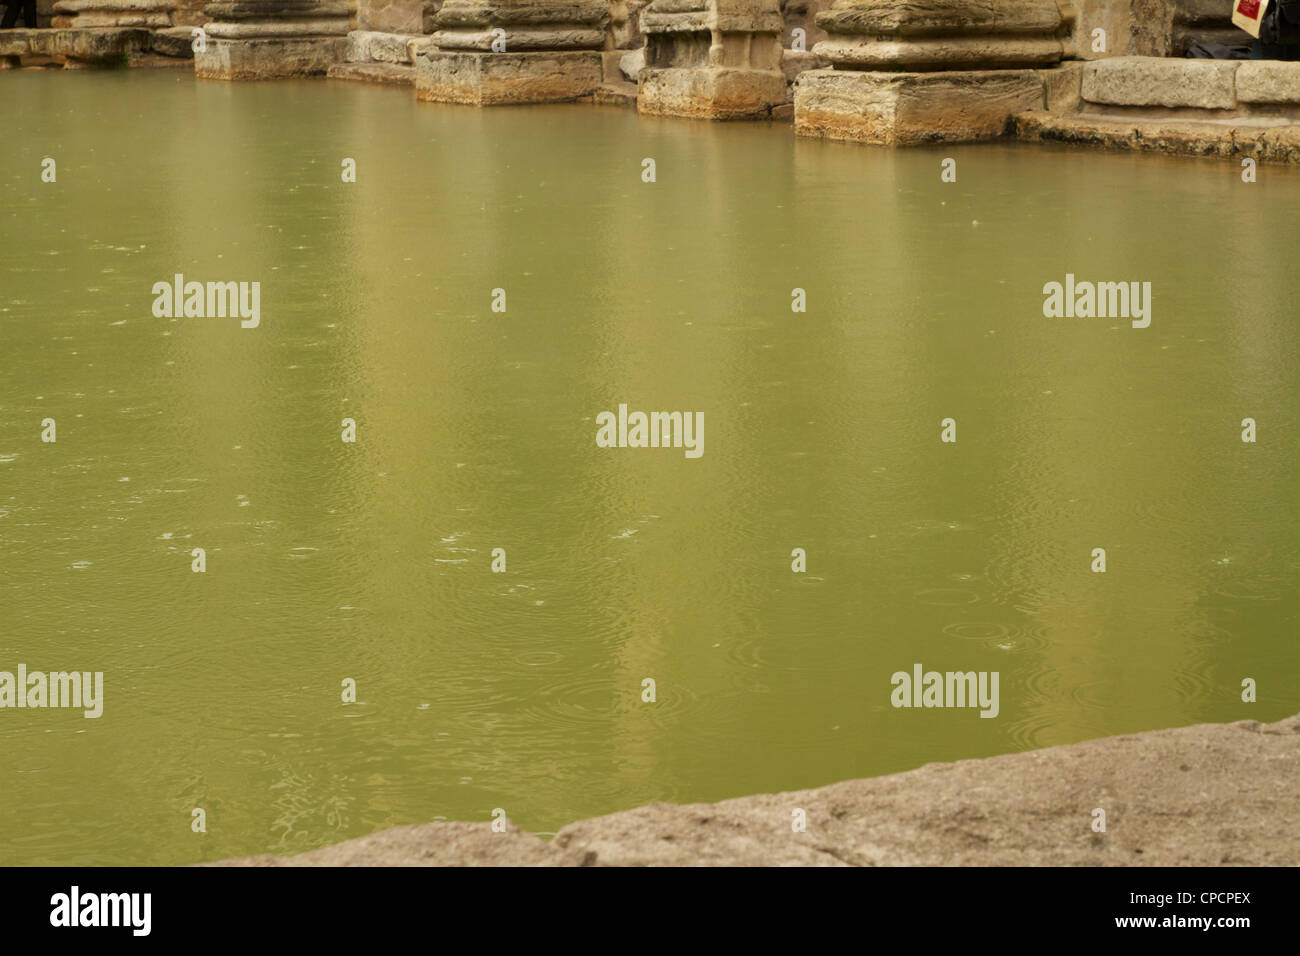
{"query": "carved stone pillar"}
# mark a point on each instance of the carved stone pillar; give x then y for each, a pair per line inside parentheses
(927, 71)
(258, 39)
(712, 59)
(490, 52)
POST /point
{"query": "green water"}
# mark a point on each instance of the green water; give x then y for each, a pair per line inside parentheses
(476, 430)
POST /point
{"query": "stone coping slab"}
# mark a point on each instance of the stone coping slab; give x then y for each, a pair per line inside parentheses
(366, 46)
(87, 43)
(1230, 138)
(1268, 81)
(1161, 81)
(1201, 84)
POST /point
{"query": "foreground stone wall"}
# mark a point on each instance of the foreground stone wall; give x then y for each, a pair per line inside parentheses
(1206, 795)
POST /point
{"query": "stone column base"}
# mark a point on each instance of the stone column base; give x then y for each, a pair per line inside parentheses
(716, 93)
(912, 109)
(112, 13)
(494, 79)
(258, 58)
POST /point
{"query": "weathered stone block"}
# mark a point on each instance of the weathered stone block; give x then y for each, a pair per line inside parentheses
(1063, 87)
(527, 40)
(394, 16)
(391, 48)
(1160, 81)
(391, 74)
(261, 29)
(268, 57)
(794, 62)
(625, 24)
(358, 47)
(367, 47)
(1268, 81)
(631, 64)
(490, 79)
(717, 93)
(174, 41)
(904, 109)
(522, 14)
(97, 44)
(421, 44)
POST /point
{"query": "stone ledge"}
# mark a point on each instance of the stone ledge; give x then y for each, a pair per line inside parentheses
(1205, 795)
(1161, 81)
(615, 94)
(175, 42)
(1063, 87)
(522, 41)
(1268, 81)
(279, 29)
(468, 13)
(391, 74)
(1224, 139)
(90, 43)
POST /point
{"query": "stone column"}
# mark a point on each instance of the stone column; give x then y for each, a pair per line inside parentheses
(259, 39)
(489, 52)
(927, 71)
(712, 59)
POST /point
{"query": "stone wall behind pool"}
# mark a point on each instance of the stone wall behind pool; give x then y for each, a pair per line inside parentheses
(397, 16)
(1146, 27)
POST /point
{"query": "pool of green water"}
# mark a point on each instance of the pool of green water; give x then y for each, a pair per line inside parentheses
(372, 561)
